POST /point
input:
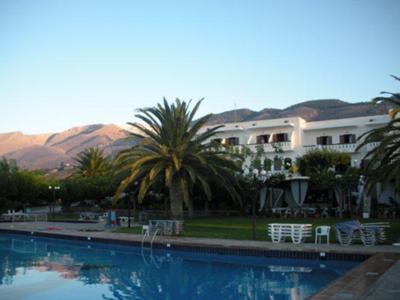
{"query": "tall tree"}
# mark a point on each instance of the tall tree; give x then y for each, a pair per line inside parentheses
(92, 162)
(383, 161)
(393, 98)
(19, 187)
(174, 152)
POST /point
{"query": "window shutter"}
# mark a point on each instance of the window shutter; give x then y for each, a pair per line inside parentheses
(286, 137)
(353, 138)
(342, 139)
(233, 141)
(277, 164)
(329, 140)
(267, 164)
(258, 139)
(319, 140)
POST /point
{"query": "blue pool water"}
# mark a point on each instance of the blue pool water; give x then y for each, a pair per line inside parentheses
(44, 268)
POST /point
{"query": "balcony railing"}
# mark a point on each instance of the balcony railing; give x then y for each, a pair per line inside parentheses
(268, 148)
(371, 146)
(348, 148)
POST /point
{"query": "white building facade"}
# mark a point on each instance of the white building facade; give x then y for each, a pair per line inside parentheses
(295, 136)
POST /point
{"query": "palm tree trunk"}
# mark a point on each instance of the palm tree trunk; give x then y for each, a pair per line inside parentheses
(176, 200)
(166, 210)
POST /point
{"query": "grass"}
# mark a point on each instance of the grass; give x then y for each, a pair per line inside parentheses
(64, 217)
(240, 228)
(134, 230)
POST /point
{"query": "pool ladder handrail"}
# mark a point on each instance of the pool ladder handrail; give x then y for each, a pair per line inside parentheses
(152, 259)
(146, 234)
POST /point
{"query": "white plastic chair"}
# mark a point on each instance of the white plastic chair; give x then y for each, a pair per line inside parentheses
(123, 221)
(146, 229)
(321, 231)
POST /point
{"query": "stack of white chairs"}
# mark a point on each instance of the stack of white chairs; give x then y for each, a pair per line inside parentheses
(369, 233)
(373, 233)
(345, 232)
(296, 232)
(9, 216)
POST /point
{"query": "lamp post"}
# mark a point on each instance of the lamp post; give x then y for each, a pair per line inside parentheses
(54, 188)
(129, 208)
(258, 180)
(131, 196)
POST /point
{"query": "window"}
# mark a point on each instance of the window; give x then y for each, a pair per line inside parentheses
(364, 164)
(324, 140)
(217, 141)
(348, 139)
(263, 139)
(280, 137)
(267, 164)
(232, 141)
(277, 164)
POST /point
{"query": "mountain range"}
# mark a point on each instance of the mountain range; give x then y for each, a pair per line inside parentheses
(314, 110)
(49, 151)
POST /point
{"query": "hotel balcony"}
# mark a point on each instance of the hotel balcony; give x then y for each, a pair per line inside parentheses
(347, 148)
(268, 148)
(371, 146)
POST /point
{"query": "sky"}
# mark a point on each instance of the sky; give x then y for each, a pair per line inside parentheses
(71, 63)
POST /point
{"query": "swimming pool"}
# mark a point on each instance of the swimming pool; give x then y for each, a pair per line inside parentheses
(47, 268)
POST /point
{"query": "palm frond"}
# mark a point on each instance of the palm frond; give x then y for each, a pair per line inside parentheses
(173, 150)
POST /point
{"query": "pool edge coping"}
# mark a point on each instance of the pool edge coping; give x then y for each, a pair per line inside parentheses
(201, 247)
(356, 282)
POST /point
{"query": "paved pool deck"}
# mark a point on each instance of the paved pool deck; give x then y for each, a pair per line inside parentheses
(369, 280)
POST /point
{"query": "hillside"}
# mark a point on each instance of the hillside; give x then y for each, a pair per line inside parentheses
(39, 157)
(48, 151)
(77, 139)
(314, 110)
(13, 141)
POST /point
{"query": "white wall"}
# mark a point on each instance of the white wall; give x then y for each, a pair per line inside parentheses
(303, 134)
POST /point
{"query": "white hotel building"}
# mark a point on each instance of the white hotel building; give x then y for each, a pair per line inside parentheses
(296, 136)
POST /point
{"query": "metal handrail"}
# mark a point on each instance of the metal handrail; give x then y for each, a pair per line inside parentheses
(152, 239)
(154, 236)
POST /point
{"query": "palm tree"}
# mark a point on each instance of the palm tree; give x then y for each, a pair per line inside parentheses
(92, 162)
(394, 99)
(384, 160)
(173, 152)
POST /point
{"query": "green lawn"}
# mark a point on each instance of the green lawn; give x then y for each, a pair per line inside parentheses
(240, 228)
(64, 217)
